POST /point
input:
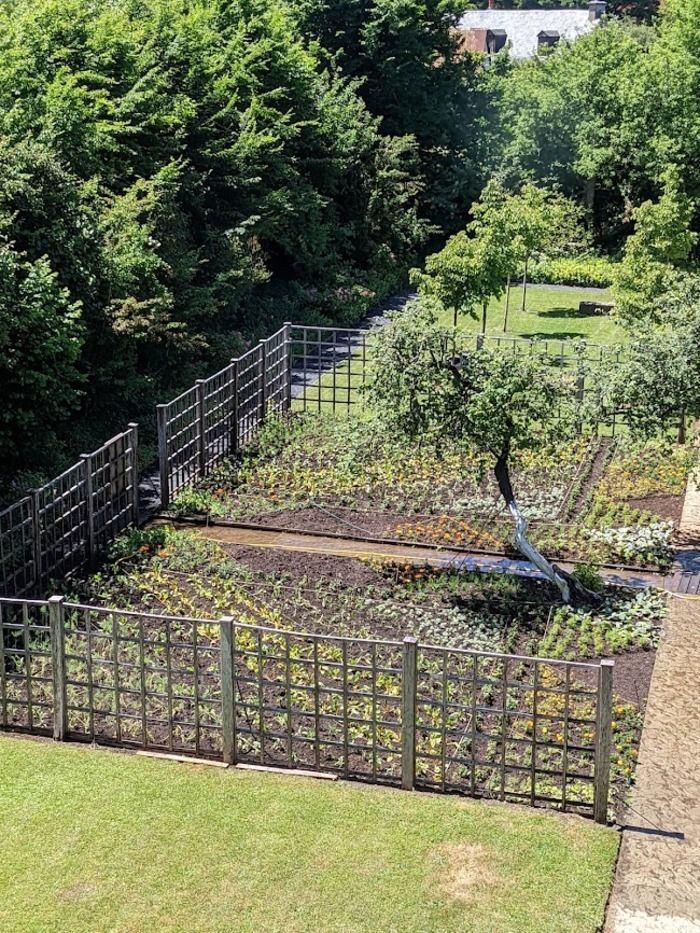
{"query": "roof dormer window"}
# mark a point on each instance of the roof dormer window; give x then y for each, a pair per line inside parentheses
(547, 39)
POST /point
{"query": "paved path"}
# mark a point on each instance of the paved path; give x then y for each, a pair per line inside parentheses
(657, 885)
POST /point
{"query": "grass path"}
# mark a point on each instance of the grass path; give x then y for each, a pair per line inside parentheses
(96, 840)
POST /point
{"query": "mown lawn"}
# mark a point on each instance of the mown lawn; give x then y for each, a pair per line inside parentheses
(549, 313)
(96, 840)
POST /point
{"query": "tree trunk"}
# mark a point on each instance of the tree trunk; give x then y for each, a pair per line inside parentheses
(524, 286)
(590, 194)
(454, 319)
(505, 316)
(526, 548)
(483, 317)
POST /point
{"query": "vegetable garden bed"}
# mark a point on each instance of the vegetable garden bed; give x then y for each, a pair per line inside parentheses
(599, 500)
(179, 573)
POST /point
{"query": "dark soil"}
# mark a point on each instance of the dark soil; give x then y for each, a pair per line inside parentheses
(315, 567)
(667, 507)
(596, 469)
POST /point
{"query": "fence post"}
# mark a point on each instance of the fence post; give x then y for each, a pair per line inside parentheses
(579, 401)
(36, 538)
(162, 419)
(288, 366)
(234, 407)
(263, 378)
(134, 444)
(603, 745)
(89, 509)
(409, 672)
(228, 697)
(200, 386)
(58, 656)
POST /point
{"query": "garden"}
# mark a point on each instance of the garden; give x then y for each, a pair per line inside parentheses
(480, 737)
(593, 499)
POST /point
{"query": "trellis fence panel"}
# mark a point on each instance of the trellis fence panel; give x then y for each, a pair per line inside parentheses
(530, 730)
(64, 526)
(221, 414)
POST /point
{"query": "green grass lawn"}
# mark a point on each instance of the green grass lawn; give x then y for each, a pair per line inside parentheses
(549, 313)
(96, 840)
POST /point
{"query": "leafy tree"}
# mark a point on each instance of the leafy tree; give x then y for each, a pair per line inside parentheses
(568, 121)
(660, 245)
(488, 404)
(413, 76)
(40, 342)
(657, 384)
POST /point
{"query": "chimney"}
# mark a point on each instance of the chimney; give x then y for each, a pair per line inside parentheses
(596, 8)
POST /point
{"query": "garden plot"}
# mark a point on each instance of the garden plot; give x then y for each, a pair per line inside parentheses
(181, 574)
(593, 499)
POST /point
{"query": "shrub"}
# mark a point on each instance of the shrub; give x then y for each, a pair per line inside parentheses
(585, 271)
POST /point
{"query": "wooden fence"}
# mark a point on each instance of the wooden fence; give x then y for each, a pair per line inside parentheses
(65, 525)
(484, 724)
(220, 414)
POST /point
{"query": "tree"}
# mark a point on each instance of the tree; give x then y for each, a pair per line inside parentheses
(40, 343)
(490, 404)
(657, 383)
(540, 221)
(413, 76)
(659, 247)
(463, 275)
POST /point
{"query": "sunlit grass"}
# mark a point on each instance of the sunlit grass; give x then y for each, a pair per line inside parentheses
(96, 840)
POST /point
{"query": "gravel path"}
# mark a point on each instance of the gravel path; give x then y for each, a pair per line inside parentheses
(657, 884)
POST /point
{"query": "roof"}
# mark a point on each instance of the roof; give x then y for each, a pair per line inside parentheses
(524, 26)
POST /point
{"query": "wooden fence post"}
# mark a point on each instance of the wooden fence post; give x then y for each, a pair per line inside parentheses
(200, 386)
(162, 418)
(228, 696)
(288, 364)
(89, 509)
(36, 539)
(58, 657)
(263, 379)
(134, 445)
(579, 401)
(234, 407)
(603, 745)
(409, 676)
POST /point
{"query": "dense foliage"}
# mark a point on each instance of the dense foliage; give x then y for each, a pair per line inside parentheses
(176, 175)
(179, 176)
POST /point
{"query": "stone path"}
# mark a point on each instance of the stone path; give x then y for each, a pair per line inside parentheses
(657, 884)
(690, 516)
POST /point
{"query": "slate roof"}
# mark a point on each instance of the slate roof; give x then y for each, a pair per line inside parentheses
(524, 26)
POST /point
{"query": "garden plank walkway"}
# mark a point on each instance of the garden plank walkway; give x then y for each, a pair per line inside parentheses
(657, 885)
(347, 547)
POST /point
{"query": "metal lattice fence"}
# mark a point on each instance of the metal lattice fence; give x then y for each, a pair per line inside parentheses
(507, 727)
(65, 525)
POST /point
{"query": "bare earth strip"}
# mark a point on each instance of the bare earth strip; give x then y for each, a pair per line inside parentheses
(657, 885)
